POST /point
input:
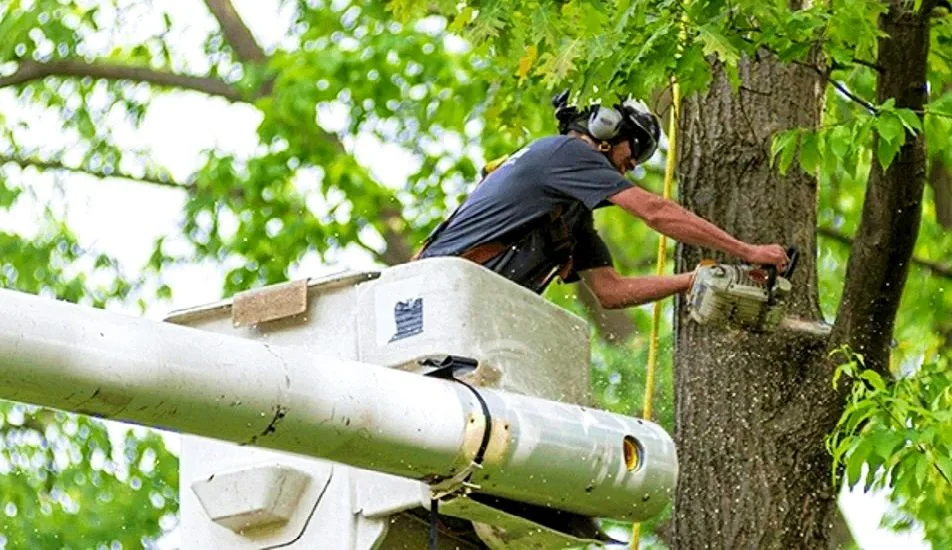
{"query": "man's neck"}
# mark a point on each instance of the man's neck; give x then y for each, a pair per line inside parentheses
(584, 137)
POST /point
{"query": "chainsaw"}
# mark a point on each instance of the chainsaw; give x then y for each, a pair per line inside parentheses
(745, 296)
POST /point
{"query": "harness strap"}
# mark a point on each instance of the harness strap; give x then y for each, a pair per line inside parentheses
(433, 538)
(482, 253)
(559, 234)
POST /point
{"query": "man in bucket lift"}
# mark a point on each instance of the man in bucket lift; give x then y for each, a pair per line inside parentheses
(530, 219)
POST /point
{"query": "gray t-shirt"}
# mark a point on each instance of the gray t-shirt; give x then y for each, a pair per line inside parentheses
(513, 205)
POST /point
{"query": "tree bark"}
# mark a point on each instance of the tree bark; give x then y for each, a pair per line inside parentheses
(743, 485)
(753, 411)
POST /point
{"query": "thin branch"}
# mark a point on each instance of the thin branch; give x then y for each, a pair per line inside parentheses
(75, 68)
(845, 91)
(931, 112)
(45, 165)
(869, 64)
(825, 75)
(934, 267)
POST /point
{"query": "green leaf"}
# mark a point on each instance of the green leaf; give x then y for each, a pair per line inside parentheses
(923, 464)
(715, 43)
(164, 292)
(890, 128)
(874, 379)
(809, 152)
(839, 140)
(886, 152)
(909, 119)
(855, 461)
(557, 67)
(8, 195)
(784, 146)
(885, 444)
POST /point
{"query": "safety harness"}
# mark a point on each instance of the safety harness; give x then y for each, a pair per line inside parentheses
(559, 241)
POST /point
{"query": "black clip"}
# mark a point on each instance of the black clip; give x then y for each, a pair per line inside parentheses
(450, 367)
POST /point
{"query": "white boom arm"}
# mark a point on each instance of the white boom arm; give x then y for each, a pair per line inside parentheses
(540, 452)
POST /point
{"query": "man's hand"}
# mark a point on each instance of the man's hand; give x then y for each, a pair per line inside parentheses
(767, 254)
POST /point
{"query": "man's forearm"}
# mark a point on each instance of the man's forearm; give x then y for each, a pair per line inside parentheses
(688, 228)
(634, 291)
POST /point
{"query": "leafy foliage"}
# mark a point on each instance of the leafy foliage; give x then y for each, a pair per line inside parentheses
(68, 483)
(897, 436)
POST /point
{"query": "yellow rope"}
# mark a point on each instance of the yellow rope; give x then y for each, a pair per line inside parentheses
(670, 164)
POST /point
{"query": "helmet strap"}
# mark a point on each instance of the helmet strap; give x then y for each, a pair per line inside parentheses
(603, 146)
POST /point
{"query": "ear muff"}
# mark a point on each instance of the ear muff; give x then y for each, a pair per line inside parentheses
(604, 123)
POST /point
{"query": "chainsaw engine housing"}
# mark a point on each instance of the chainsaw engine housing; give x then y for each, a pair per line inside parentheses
(738, 295)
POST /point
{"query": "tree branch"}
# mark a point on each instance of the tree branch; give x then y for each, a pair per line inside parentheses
(239, 37)
(237, 34)
(44, 165)
(845, 91)
(934, 267)
(75, 68)
(247, 49)
(840, 87)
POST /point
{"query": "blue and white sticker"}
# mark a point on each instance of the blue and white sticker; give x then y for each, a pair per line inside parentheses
(399, 309)
(408, 316)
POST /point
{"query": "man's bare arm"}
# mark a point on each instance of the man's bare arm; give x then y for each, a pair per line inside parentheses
(673, 220)
(615, 291)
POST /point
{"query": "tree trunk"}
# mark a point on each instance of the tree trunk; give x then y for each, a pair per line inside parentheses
(892, 209)
(743, 484)
(752, 411)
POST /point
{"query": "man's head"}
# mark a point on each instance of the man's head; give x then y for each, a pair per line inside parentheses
(627, 133)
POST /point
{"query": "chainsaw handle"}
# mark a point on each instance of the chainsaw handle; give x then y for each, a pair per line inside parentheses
(794, 255)
(771, 281)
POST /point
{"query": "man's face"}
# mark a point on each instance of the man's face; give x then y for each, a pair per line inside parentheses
(621, 158)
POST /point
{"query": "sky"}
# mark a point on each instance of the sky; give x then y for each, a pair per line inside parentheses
(107, 216)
